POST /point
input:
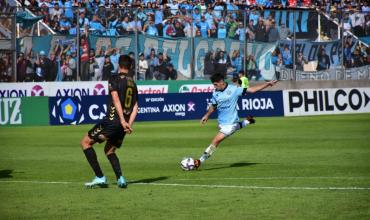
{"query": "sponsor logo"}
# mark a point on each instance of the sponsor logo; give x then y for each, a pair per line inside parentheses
(331, 100)
(257, 104)
(7, 93)
(99, 89)
(72, 92)
(68, 111)
(152, 89)
(10, 111)
(191, 106)
(196, 88)
(37, 90)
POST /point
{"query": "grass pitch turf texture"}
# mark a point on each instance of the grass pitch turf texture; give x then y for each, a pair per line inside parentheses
(280, 168)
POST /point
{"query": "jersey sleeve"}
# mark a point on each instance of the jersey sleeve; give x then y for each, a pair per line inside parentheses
(240, 91)
(214, 101)
(112, 84)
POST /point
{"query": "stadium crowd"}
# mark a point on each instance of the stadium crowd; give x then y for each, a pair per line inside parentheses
(174, 19)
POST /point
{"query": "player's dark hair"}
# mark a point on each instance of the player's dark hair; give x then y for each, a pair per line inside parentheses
(125, 62)
(217, 77)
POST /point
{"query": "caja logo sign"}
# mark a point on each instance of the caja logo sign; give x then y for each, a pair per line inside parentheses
(326, 101)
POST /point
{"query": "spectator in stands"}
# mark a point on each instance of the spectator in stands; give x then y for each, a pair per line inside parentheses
(358, 23)
(179, 30)
(71, 67)
(93, 65)
(132, 70)
(221, 33)
(96, 25)
(223, 61)
(240, 32)
(209, 65)
(64, 25)
(237, 60)
(22, 64)
(277, 61)
(160, 72)
(261, 31)
(6, 68)
(252, 68)
(285, 32)
(153, 63)
(347, 55)
(42, 66)
(150, 28)
(204, 27)
(300, 61)
(323, 60)
(287, 57)
(358, 58)
(143, 66)
(171, 73)
(232, 26)
(273, 33)
(84, 58)
(56, 11)
(107, 68)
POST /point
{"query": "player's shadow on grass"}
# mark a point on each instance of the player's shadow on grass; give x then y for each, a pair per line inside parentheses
(149, 180)
(233, 165)
(6, 174)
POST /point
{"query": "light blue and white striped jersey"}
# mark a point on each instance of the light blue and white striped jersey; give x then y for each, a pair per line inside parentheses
(226, 102)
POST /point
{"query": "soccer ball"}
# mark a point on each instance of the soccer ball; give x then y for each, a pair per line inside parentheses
(187, 164)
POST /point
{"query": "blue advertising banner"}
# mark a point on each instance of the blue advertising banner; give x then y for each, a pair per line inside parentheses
(77, 109)
(174, 106)
(161, 107)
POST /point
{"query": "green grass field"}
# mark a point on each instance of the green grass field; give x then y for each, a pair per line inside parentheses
(279, 168)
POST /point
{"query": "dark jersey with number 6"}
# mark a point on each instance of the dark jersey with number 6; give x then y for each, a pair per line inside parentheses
(128, 95)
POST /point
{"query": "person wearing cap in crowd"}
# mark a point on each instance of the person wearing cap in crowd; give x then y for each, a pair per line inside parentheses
(171, 73)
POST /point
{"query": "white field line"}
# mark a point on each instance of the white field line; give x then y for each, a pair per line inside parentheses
(276, 178)
(203, 186)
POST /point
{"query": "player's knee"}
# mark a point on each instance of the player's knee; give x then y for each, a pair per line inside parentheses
(109, 150)
(86, 142)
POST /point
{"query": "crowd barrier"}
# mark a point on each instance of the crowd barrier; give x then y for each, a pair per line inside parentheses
(64, 104)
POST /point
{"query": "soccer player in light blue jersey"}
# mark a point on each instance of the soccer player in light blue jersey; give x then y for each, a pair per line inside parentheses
(224, 100)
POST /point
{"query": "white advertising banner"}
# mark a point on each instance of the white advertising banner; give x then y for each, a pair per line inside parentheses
(194, 88)
(326, 101)
(59, 89)
(152, 89)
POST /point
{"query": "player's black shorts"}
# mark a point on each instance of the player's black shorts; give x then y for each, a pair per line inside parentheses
(111, 131)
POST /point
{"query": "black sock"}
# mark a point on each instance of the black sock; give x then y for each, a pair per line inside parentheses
(93, 161)
(114, 161)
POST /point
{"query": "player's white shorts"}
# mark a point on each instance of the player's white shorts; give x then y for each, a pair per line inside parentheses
(229, 129)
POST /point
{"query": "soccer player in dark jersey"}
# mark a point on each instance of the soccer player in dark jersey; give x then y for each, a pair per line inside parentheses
(120, 116)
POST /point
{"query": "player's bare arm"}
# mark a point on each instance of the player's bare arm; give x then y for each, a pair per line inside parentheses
(132, 117)
(204, 119)
(118, 106)
(262, 86)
